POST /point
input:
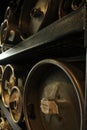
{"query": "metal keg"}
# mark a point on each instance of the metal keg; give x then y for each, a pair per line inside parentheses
(9, 31)
(53, 97)
(37, 14)
(67, 6)
(8, 81)
(1, 74)
(16, 104)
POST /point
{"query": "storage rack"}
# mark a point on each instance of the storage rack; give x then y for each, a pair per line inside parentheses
(45, 42)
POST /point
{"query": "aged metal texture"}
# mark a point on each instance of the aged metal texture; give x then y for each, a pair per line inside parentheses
(53, 94)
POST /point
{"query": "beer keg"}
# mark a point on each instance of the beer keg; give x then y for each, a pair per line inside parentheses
(67, 6)
(36, 15)
(53, 97)
(9, 31)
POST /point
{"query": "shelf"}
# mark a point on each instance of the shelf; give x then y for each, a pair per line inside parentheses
(62, 27)
(7, 115)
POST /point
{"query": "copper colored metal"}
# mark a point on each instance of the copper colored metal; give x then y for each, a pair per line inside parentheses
(16, 103)
(8, 81)
(53, 97)
(12, 76)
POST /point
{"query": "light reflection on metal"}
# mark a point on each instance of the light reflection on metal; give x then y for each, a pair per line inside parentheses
(1, 75)
(54, 97)
(8, 81)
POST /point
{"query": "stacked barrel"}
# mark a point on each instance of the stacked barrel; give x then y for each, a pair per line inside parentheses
(54, 96)
(50, 95)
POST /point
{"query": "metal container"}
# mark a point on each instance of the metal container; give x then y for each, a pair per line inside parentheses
(9, 31)
(36, 15)
(67, 6)
(53, 97)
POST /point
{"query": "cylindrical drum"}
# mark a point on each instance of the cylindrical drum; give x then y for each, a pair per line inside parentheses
(37, 14)
(67, 6)
(53, 97)
(9, 31)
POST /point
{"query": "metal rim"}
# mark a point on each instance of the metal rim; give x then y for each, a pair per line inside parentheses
(1, 75)
(76, 4)
(67, 6)
(7, 13)
(8, 81)
(15, 104)
(31, 115)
